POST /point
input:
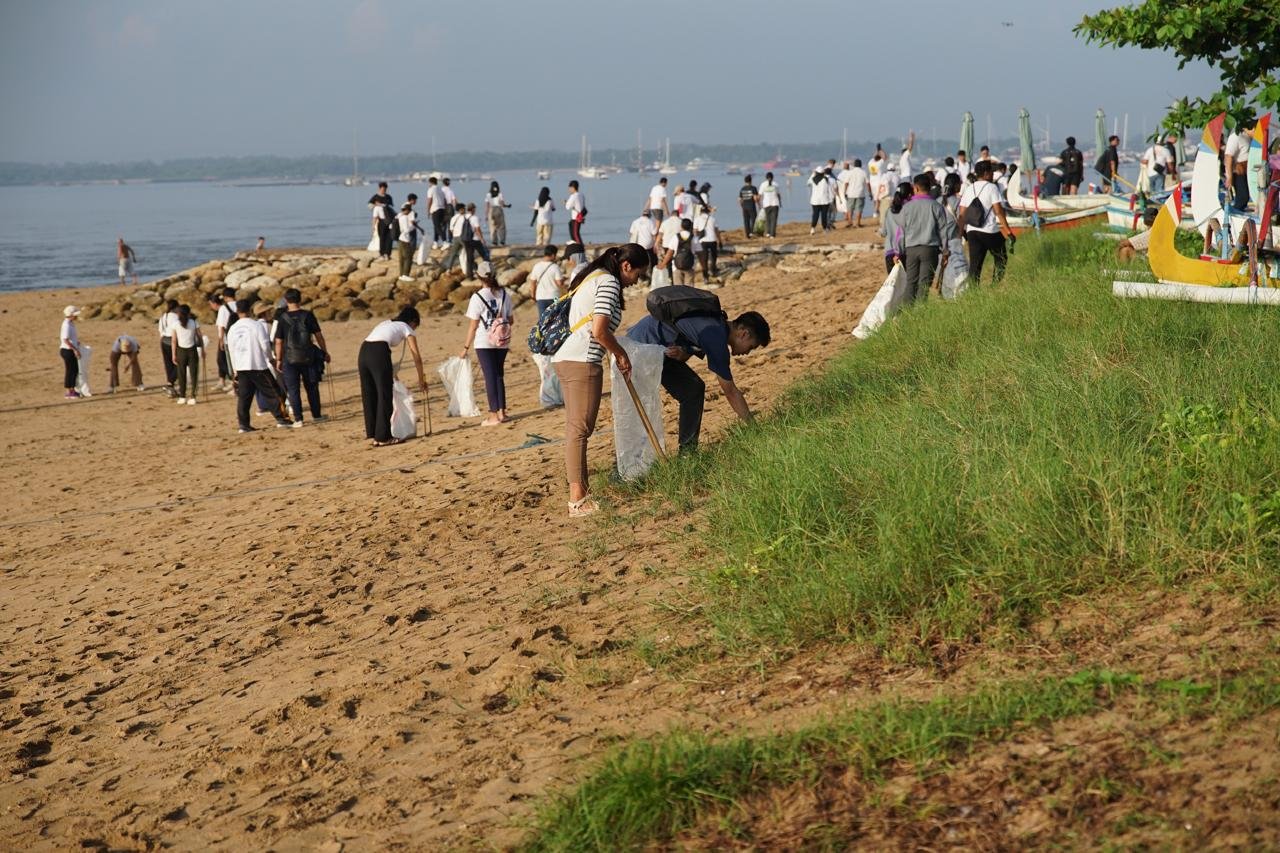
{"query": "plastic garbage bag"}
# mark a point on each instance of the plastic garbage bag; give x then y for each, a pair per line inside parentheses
(659, 278)
(884, 304)
(549, 394)
(762, 222)
(955, 276)
(423, 253)
(403, 422)
(631, 442)
(374, 245)
(82, 379)
(455, 373)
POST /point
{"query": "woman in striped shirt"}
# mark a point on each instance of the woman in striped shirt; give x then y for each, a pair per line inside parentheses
(594, 314)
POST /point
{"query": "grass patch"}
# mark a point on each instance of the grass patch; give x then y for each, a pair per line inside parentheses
(648, 791)
(977, 462)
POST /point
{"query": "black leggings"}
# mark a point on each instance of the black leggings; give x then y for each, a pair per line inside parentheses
(492, 364)
(820, 212)
(166, 355)
(374, 364)
(439, 226)
(70, 368)
(710, 253)
(188, 365)
(981, 244)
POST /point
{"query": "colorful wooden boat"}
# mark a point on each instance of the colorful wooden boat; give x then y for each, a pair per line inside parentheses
(1051, 205)
(1170, 265)
(1021, 223)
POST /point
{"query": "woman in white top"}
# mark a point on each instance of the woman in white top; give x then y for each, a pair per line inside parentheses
(491, 308)
(69, 349)
(542, 210)
(377, 375)
(493, 209)
(771, 201)
(704, 226)
(594, 313)
(187, 345)
(165, 327)
(820, 197)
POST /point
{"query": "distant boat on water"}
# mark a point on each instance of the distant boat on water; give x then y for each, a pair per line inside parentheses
(585, 169)
(544, 174)
(666, 168)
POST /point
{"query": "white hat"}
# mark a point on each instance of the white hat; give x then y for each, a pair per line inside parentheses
(484, 269)
(71, 311)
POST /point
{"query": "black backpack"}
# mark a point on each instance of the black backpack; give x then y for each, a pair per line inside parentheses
(975, 214)
(297, 337)
(684, 253)
(468, 233)
(1072, 161)
(673, 302)
(393, 224)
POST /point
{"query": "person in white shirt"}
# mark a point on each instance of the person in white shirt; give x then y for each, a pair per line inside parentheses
(188, 349)
(962, 166)
(819, 199)
(853, 183)
(164, 326)
(1155, 162)
(988, 236)
(656, 204)
(904, 160)
(771, 202)
(249, 350)
(642, 231)
(704, 228)
(408, 221)
(127, 346)
(1235, 161)
(464, 229)
(543, 220)
(548, 280)
(450, 199)
(69, 350)
(493, 209)
(225, 317)
(576, 206)
(491, 307)
(436, 210)
(377, 376)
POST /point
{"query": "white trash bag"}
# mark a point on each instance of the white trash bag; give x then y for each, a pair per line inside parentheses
(884, 304)
(659, 278)
(631, 441)
(955, 275)
(455, 373)
(403, 422)
(82, 379)
(549, 394)
(423, 253)
(374, 244)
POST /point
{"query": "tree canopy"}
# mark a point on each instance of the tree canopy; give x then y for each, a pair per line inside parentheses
(1241, 38)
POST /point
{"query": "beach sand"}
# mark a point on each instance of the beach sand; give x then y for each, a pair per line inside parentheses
(293, 640)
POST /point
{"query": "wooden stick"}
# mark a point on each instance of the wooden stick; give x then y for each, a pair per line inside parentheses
(644, 417)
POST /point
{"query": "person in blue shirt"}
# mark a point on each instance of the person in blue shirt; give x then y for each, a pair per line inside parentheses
(712, 338)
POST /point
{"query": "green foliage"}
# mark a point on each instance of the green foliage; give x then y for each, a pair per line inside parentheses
(1239, 37)
(978, 462)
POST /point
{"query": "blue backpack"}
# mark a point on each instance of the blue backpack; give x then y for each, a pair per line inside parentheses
(553, 329)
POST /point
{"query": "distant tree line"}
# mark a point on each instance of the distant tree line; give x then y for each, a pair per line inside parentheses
(337, 166)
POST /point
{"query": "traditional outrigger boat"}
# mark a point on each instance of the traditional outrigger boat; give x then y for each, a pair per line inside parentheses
(1050, 205)
(1207, 196)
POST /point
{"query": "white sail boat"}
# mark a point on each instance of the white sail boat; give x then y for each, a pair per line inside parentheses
(585, 169)
(666, 168)
(355, 180)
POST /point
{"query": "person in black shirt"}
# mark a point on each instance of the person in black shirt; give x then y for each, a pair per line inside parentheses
(383, 224)
(1072, 167)
(301, 361)
(1109, 163)
(748, 199)
(381, 196)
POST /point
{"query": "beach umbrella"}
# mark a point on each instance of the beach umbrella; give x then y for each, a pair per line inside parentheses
(1027, 160)
(966, 135)
(1099, 133)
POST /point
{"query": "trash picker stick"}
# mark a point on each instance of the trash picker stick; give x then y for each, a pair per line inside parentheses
(426, 406)
(644, 417)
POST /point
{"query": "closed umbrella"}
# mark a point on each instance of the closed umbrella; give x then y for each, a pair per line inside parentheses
(1099, 133)
(1027, 163)
(966, 135)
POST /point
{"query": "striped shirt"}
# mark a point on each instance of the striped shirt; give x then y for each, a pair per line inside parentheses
(600, 295)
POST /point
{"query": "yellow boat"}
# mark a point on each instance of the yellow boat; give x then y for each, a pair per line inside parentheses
(1169, 264)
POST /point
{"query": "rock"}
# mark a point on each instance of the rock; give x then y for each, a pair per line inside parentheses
(88, 312)
(437, 307)
(302, 281)
(362, 275)
(462, 294)
(757, 274)
(513, 278)
(330, 282)
(255, 284)
(323, 312)
(357, 314)
(270, 293)
(241, 275)
(146, 298)
(339, 266)
(441, 288)
(384, 308)
(377, 291)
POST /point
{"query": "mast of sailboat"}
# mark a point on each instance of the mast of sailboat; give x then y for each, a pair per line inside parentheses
(639, 152)
(433, 153)
(355, 157)
(844, 145)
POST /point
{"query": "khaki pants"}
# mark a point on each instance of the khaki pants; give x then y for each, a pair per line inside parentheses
(582, 384)
(684, 276)
(544, 234)
(135, 369)
(406, 257)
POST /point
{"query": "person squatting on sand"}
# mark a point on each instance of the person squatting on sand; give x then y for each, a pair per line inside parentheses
(595, 312)
(492, 308)
(69, 350)
(301, 353)
(125, 346)
(164, 327)
(714, 338)
(377, 375)
(188, 349)
(249, 351)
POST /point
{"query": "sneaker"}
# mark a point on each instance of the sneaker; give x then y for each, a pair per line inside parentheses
(181, 400)
(297, 424)
(810, 232)
(141, 388)
(73, 394)
(243, 430)
(318, 418)
(111, 389)
(284, 425)
(191, 401)
(231, 390)
(406, 278)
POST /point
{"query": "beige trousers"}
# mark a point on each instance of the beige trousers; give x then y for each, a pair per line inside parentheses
(581, 384)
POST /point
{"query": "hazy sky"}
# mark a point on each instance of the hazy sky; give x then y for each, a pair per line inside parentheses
(158, 79)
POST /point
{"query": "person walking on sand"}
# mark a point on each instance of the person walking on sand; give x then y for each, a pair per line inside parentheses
(986, 234)
(576, 208)
(224, 320)
(704, 228)
(496, 216)
(543, 220)
(125, 259)
(477, 235)
(643, 231)
(714, 338)
(164, 326)
(125, 346)
(436, 210)
(657, 202)
(301, 352)
(69, 350)
(853, 183)
(771, 201)
(548, 280)
(249, 349)
(377, 375)
(188, 349)
(680, 253)
(926, 238)
(595, 312)
(749, 201)
(819, 199)
(491, 308)
(408, 222)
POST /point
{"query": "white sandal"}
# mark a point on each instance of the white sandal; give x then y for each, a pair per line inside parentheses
(585, 506)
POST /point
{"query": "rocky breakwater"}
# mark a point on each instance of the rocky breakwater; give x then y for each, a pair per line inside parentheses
(352, 284)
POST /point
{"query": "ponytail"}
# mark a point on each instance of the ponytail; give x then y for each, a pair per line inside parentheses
(611, 260)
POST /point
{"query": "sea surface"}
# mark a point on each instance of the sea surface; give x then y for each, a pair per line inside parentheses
(65, 236)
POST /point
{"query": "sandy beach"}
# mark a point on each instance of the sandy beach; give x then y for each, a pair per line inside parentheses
(293, 640)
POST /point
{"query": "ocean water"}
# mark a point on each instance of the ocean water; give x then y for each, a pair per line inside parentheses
(65, 236)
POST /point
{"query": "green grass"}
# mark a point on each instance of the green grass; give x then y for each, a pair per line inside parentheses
(649, 790)
(976, 463)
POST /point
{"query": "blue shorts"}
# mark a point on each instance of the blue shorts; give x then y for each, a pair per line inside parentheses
(855, 204)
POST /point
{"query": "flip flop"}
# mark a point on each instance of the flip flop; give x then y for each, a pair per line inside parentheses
(388, 442)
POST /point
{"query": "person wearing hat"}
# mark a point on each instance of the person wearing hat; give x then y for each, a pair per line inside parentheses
(491, 307)
(69, 349)
(407, 242)
(125, 345)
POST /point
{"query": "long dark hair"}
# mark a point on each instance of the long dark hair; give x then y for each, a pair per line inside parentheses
(951, 185)
(610, 261)
(544, 196)
(409, 316)
(184, 314)
(493, 188)
(904, 192)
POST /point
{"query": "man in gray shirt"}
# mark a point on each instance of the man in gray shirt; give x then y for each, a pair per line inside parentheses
(926, 230)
